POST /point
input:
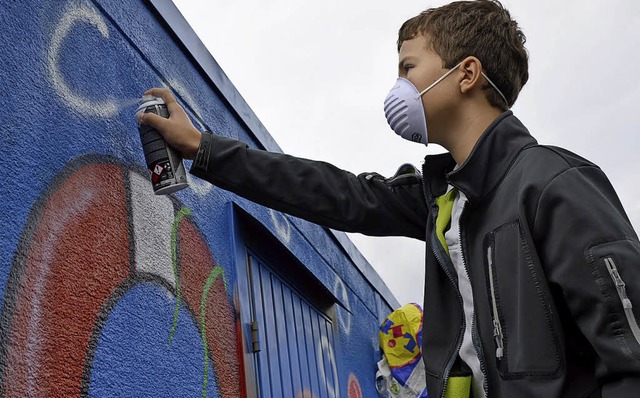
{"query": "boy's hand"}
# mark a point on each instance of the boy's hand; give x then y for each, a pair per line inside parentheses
(177, 130)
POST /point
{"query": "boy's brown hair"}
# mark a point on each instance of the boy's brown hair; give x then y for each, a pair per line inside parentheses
(483, 29)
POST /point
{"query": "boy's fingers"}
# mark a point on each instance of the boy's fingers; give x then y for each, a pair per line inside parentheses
(163, 93)
(152, 120)
(167, 97)
(157, 91)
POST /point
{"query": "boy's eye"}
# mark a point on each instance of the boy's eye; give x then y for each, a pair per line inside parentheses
(407, 68)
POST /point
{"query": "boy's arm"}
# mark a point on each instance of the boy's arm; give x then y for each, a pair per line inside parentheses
(591, 253)
(316, 191)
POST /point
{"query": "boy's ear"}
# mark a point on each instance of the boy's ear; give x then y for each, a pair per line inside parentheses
(472, 74)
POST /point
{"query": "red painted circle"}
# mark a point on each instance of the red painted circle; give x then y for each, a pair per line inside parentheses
(76, 256)
(354, 389)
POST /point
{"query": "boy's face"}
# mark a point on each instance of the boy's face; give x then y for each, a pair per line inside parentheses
(422, 66)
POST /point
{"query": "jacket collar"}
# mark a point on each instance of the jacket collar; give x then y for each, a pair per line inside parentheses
(488, 162)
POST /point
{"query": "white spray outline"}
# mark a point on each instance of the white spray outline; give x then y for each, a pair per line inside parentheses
(340, 291)
(82, 13)
(283, 228)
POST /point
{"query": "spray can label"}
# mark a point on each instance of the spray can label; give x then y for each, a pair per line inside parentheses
(168, 173)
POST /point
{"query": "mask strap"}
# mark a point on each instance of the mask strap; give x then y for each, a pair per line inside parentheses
(454, 68)
(439, 80)
(497, 89)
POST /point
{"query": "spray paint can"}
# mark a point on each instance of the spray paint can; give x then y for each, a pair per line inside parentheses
(168, 174)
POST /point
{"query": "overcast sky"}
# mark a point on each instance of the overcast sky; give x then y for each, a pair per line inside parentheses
(316, 75)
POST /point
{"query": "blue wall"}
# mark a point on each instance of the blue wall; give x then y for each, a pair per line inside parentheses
(108, 290)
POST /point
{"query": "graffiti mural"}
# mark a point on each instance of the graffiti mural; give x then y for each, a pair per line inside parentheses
(102, 264)
(109, 290)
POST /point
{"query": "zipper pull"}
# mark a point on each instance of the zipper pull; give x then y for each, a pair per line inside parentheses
(622, 293)
(497, 334)
(620, 285)
(611, 267)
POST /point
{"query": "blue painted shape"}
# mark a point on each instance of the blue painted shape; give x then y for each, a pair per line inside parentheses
(133, 358)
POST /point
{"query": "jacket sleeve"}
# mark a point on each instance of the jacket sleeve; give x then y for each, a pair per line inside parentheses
(315, 191)
(591, 255)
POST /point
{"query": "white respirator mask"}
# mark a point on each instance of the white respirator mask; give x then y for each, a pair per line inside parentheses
(405, 113)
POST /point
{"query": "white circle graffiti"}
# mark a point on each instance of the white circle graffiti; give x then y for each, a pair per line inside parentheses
(344, 316)
(281, 224)
(86, 106)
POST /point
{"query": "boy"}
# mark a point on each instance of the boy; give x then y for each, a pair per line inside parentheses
(528, 247)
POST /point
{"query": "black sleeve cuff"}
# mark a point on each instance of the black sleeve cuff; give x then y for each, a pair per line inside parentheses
(201, 161)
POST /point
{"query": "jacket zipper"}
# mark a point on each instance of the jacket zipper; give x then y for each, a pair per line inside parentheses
(497, 327)
(442, 261)
(485, 385)
(622, 293)
(438, 252)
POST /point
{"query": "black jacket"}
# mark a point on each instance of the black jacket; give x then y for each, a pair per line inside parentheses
(545, 240)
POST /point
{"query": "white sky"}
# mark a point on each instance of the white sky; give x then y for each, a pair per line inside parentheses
(316, 75)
